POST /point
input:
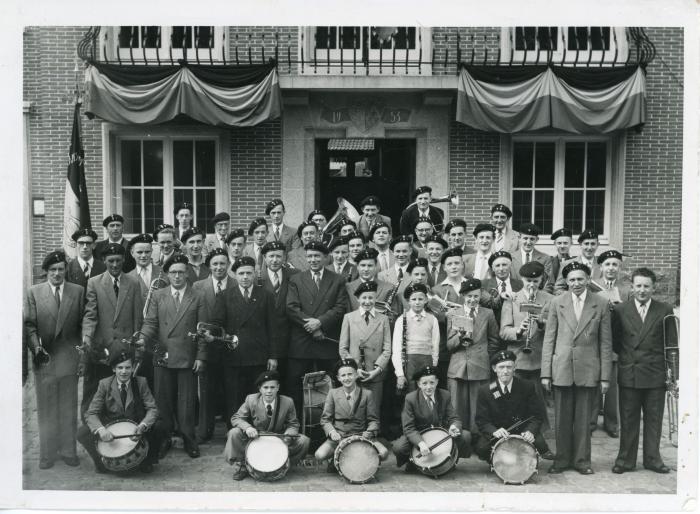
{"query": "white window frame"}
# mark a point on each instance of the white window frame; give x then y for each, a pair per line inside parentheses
(152, 55)
(112, 135)
(595, 56)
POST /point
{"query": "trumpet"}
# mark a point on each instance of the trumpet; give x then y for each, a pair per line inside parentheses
(452, 198)
(672, 357)
(533, 309)
(230, 342)
(438, 304)
(160, 355)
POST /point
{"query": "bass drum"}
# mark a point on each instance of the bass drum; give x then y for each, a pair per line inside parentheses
(356, 459)
(442, 458)
(267, 458)
(514, 460)
(121, 455)
(315, 387)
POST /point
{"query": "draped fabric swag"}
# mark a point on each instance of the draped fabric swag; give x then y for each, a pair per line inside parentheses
(577, 100)
(216, 95)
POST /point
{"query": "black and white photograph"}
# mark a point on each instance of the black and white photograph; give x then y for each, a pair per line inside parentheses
(367, 250)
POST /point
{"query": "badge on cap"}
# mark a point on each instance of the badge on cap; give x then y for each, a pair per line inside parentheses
(175, 259)
(457, 222)
(113, 249)
(415, 288)
(426, 371)
(401, 239)
(316, 246)
(235, 234)
(112, 218)
(499, 207)
(368, 254)
(530, 229)
(266, 376)
(219, 217)
(532, 269)
(575, 266)
(498, 255)
(305, 224)
(609, 254)
(272, 204)
(366, 287)
(272, 246)
(471, 284)
(562, 232)
(587, 234)
(451, 252)
(53, 258)
(421, 190)
(214, 253)
(484, 227)
(502, 356)
(84, 232)
(191, 232)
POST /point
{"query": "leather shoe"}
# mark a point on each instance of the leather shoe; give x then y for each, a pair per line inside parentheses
(585, 471)
(45, 464)
(411, 468)
(71, 461)
(146, 467)
(239, 471)
(192, 450)
(554, 470)
(659, 469)
(331, 467)
(618, 470)
(548, 455)
(613, 433)
(99, 468)
(165, 446)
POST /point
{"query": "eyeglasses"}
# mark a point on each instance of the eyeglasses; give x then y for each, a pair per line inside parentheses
(177, 273)
(84, 243)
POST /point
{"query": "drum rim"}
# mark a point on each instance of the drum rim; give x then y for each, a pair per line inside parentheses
(258, 439)
(426, 470)
(140, 442)
(339, 450)
(537, 459)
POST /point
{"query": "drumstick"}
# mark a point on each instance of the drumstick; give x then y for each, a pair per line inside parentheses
(431, 448)
(278, 435)
(126, 435)
(514, 425)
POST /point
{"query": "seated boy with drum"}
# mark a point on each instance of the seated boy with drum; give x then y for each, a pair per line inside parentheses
(508, 406)
(424, 409)
(349, 410)
(264, 411)
(122, 397)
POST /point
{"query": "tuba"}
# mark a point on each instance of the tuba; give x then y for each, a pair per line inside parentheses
(345, 210)
(672, 358)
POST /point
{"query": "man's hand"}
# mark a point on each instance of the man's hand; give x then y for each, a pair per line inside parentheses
(371, 375)
(524, 326)
(362, 375)
(335, 436)
(400, 383)
(87, 341)
(251, 432)
(604, 386)
(454, 431)
(424, 450)
(206, 335)
(271, 364)
(501, 433)
(311, 325)
(547, 384)
(105, 435)
(138, 431)
(368, 435)
(527, 435)
(81, 369)
(199, 366)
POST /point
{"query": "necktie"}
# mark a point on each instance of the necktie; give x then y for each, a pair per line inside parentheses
(218, 287)
(277, 233)
(610, 284)
(269, 410)
(643, 311)
(57, 294)
(499, 238)
(86, 270)
(367, 317)
(338, 270)
(222, 243)
(382, 262)
(116, 287)
(472, 313)
(144, 276)
(246, 295)
(434, 272)
(578, 306)
(176, 296)
(503, 287)
(431, 403)
(317, 279)
(527, 257)
(276, 281)
(349, 398)
(506, 391)
(400, 274)
(258, 258)
(122, 393)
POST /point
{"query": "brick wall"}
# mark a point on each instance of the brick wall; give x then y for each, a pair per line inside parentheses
(257, 45)
(474, 44)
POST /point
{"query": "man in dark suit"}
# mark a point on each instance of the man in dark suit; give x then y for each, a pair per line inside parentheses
(638, 336)
(246, 310)
(114, 224)
(339, 259)
(562, 241)
(307, 233)
(172, 315)
(367, 270)
(193, 243)
(434, 247)
(257, 237)
(578, 326)
(456, 235)
(279, 231)
(53, 312)
(183, 219)
(316, 302)
(421, 207)
(113, 313)
(122, 396)
(84, 265)
(264, 411)
(426, 407)
(370, 207)
(503, 403)
(526, 252)
(502, 286)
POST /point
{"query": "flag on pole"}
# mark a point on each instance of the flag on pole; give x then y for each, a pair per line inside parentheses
(76, 213)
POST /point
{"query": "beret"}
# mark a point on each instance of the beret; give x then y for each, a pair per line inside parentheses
(84, 232)
(175, 259)
(484, 227)
(214, 253)
(190, 232)
(532, 269)
(366, 255)
(457, 222)
(376, 227)
(316, 246)
(53, 258)
(315, 212)
(562, 232)
(161, 227)
(356, 235)
(271, 246)
(366, 287)
(573, 266)
(113, 249)
(451, 252)
(610, 254)
(243, 261)
(470, 285)
(530, 229)
(400, 239)
(266, 376)
(420, 262)
(434, 238)
(272, 204)
(345, 363)
(498, 255)
(425, 371)
(305, 224)
(141, 238)
(344, 222)
(120, 357)
(112, 218)
(257, 222)
(235, 234)
(183, 205)
(499, 207)
(415, 288)
(370, 200)
(221, 216)
(422, 219)
(502, 356)
(422, 189)
(587, 234)
(337, 241)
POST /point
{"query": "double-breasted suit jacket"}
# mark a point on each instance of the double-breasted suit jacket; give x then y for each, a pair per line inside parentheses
(472, 362)
(560, 285)
(577, 353)
(511, 318)
(129, 262)
(327, 303)
(348, 419)
(280, 303)
(288, 237)
(417, 414)
(252, 413)
(364, 226)
(106, 406)
(349, 271)
(367, 343)
(517, 263)
(76, 275)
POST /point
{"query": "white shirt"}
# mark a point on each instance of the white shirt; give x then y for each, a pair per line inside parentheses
(90, 262)
(481, 265)
(273, 274)
(397, 341)
(588, 263)
(223, 282)
(387, 256)
(467, 310)
(506, 387)
(314, 274)
(271, 404)
(454, 286)
(145, 272)
(582, 297)
(351, 394)
(429, 399)
(402, 268)
(372, 312)
(60, 290)
(523, 254)
(242, 290)
(180, 291)
(509, 289)
(437, 268)
(639, 305)
(425, 213)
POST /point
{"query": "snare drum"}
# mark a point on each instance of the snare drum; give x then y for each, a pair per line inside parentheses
(514, 460)
(123, 454)
(267, 458)
(442, 458)
(356, 459)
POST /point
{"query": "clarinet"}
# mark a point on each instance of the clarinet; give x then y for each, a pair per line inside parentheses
(404, 344)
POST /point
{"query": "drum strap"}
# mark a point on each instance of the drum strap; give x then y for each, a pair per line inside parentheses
(139, 409)
(495, 391)
(357, 402)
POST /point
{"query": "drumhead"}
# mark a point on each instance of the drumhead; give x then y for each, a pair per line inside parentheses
(118, 447)
(266, 453)
(356, 459)
(439, 454)
(514, 460)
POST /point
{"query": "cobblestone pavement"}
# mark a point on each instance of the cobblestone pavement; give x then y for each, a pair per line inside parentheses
(178, 472)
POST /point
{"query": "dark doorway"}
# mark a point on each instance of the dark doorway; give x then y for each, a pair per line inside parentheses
(355, 168)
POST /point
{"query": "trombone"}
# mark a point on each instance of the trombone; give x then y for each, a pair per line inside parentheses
(671, 356)
(452, 197)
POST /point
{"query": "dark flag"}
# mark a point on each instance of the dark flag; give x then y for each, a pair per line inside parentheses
(76, 213)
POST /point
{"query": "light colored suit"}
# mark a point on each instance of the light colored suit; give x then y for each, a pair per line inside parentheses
(538, 256)
(288, 237)
(211, 242)
(510, 243)
(383, 291)
(155, 273)
(470, 266)
(106, 405)
(349, 271)
(511, 317)
(560, 285)
(297, 259)
(391, 260)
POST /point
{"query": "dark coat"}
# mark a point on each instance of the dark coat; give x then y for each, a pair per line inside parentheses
(494, 410)
(410, 215)
(129, 262)
(416, 414)
(106, 406)
(280, 302)
(252, 413)
(75, 275)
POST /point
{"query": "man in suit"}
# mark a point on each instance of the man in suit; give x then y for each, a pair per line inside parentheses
(279, 231)
(265, 411)
(434, 247)
(370, 207)
(578, 326)
(53, 312)
(319, 218)
(380, 240)
(339, 259)
(421, 207)
(503, 403)
(122, 396)
(398, 274)
(167, 246)
(504, 237)
(477, 264)
(588, 241)
(307, 233)
(113, 313)
(562, 241)
(502, 286)
(528, 237)
(638, 335)
(426, 407)
(248, 311)
(172, 315)
(221, 222)
(84, 265)
(183, 218)
(257, 237)
(235, 243)
(356, 243)
(316, 303)
(367, 270)
(114, 224)
(193, 242)
(422, 229)
(211, 380)
(456, 235)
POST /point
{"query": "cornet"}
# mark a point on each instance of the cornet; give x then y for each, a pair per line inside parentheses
(230, 342)
(533, 310)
